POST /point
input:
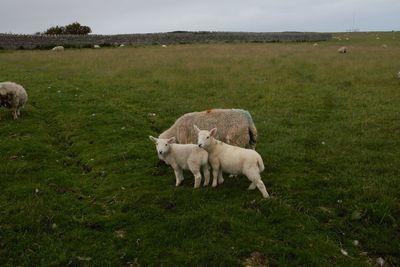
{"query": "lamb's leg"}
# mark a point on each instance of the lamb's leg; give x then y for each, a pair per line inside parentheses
(261, 187)
(178, 176)
(206, 173)
(220, 177)
(197, 178)
(215, 177)
(252, 186)
(255, 178)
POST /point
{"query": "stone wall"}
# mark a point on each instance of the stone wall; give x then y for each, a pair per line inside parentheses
(16, 41)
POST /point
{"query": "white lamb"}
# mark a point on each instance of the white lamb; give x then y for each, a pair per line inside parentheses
(231, 159)
(58, 48)
(183, 157)
(12, 96)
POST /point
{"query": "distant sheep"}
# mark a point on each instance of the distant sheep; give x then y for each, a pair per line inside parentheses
(58, 48)
(384, 46)
(231, 159)
(343, 50)
(183, 157)
(12, 96)
(121, 45)
(164, 46)
(96, 46)
(315, 44)
(235, 127)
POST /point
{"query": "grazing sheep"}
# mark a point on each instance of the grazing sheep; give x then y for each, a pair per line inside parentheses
(235, 127)
(231, 159)
(342, 50)
(164, 46)
(12, 96)
(384, 46)
(183, 157)
(58, 48)
(315, 44)
(121, 45)
(96, 46)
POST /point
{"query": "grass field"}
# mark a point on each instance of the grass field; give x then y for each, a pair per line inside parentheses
(80, 183)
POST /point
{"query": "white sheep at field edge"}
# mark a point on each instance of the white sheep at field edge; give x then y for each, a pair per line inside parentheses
(58, 48)
(342, 49)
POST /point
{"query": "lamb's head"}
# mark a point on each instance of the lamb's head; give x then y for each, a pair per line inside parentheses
(204, 137)
(162, 145)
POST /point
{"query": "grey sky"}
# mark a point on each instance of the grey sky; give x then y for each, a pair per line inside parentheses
(132, 16)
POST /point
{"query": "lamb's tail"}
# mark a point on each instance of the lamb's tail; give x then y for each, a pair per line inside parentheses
(260, 163)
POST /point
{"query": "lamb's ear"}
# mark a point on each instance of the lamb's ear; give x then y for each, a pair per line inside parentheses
(153, 139)
(213, 132)
(172, 140)
(196, 128)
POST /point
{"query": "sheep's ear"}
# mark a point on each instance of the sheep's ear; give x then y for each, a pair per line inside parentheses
(213, 132)
(172, 140)
(153, 139)
(196, 128)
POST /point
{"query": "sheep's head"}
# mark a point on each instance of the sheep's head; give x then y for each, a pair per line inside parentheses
(162, 145)
(204, 137)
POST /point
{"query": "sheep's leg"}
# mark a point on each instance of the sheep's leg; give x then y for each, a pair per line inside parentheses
(220, 177)
(18, 112)
(14, 113)
(178, 176)
(206, 173)
(252, 186)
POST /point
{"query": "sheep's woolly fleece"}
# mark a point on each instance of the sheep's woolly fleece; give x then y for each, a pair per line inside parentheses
(235, 127)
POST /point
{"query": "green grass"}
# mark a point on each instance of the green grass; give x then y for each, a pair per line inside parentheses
(80, 182)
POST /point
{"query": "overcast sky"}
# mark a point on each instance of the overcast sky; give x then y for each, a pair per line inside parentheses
(133, 16)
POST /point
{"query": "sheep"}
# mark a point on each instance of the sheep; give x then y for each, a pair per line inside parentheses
(121, 45)
(183, 157)
(12, 96)
(315, 44)
(384, 46)
(96, 46)
(58, 48)
(231, 159)
(164, 46)
(342, 50)
(236, 127)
